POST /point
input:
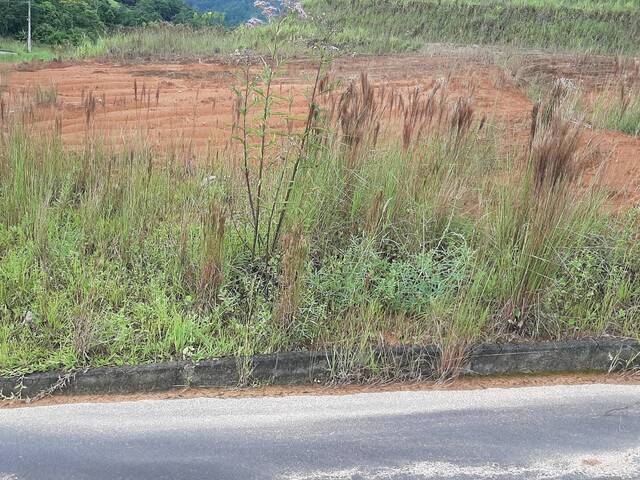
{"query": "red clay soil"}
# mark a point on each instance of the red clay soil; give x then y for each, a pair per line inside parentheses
(190, 106)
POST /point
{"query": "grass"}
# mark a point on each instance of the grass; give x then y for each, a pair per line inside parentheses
(602, 91)
(394, 26)
(171, 42)
(375, 27)
(406, 25)
(19, 52)
(409, 24)
(619, 110)
(111, 257)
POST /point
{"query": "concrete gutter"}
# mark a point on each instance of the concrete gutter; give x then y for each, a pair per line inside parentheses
(291, 368)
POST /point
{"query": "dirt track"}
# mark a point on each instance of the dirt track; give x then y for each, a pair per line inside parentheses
(190, 106)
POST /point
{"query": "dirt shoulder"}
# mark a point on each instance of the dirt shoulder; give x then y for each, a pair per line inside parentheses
(465, 383)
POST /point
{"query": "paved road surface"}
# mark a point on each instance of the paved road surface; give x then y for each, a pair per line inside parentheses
(567, 432)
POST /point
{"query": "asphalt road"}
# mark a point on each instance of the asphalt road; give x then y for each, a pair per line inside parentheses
(567, 432)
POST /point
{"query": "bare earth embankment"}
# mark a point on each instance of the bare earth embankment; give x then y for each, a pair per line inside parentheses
(190, 106)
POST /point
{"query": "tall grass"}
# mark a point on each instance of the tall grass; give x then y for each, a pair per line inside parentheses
(619, 109)
(603, 91)
(406, 222)
(171, 42)
(408, 24)
(369, 26)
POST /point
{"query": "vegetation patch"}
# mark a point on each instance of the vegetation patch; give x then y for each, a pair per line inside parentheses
(16, 51)
(399, 25)
(378, 218)
(341, 234)
(235, 12)
(65, 22)
(619, 109)
(112, 27)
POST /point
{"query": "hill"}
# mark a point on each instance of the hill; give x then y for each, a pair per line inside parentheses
(235, 11)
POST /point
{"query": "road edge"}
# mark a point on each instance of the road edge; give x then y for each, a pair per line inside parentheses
(296, 368)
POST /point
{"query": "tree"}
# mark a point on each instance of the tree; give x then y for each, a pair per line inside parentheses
(71, 21)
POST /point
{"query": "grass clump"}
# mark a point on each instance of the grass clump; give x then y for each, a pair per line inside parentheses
(619, 110)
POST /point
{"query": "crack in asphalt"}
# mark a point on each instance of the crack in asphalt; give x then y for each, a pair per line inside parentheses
(610, 412)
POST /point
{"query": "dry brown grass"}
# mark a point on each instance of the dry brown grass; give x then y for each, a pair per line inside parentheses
(211, 277)
(553, 154)
(295, 254)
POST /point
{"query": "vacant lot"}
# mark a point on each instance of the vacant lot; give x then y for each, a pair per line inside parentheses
(189, 107)
(191, 210)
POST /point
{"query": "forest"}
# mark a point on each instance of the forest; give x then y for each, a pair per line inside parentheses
(58, 22)
(235, 11)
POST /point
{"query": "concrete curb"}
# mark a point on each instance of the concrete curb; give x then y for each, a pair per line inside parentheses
(600, 355)
(311, 367)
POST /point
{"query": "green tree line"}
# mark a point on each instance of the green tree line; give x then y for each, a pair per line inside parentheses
(71, 21)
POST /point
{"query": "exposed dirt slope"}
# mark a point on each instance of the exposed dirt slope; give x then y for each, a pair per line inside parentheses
(189, 107)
